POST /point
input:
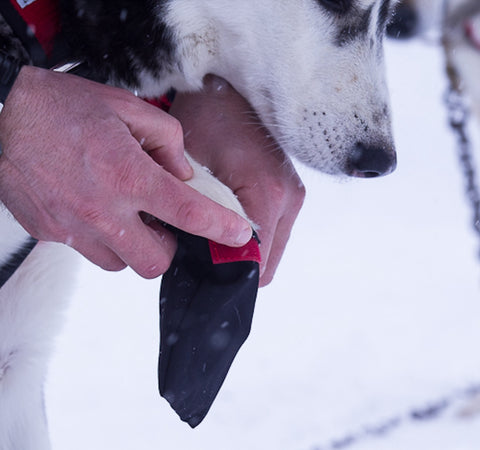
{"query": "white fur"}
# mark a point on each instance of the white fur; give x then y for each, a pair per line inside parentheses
(279, 55)
(318, 100)
(31, 306)
(203, 181)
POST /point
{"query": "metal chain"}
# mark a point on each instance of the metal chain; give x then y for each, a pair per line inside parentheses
(458, 117)
(430, 411)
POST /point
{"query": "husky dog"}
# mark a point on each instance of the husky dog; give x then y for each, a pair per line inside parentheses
(312, 70)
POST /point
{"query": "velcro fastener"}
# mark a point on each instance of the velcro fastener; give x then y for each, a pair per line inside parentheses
(223, 254)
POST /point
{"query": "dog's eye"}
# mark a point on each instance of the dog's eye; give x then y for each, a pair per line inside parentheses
(337, 6)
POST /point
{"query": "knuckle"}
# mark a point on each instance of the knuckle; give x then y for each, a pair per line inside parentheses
(229, 228)
(96, 220)
(190, 216)
(119, 97)
(299, 193)
(289, 192)
(278, 192)
(128, 179)
(176, 128)
(175, 143)
(90, 215)
(50, 227)
(54, 232)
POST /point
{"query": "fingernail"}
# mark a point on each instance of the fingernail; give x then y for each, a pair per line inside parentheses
(244, 236)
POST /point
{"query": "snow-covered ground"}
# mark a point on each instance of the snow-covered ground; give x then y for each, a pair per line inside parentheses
(367, 339)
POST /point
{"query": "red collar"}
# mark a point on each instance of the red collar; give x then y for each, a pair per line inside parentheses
(42, 18)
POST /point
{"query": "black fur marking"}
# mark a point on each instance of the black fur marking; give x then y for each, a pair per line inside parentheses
(383, 17)
(118, 38)
(16, 259)
(336, 6)
(354, 30)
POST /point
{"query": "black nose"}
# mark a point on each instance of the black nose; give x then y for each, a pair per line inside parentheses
(370, 162)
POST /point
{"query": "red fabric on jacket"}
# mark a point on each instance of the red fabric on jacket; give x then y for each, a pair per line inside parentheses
(42, 16)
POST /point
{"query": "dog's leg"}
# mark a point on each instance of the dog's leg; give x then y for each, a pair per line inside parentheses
(31, 306)
(205, 183)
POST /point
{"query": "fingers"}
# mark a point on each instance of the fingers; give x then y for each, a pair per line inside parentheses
(148, 251)
(186, 209)
(99, 254)
(172, 201)
(271, 244)
(277, 242)
(273, 251)
(159, 134)
(274, 206)
(145, 186)
(159, 191)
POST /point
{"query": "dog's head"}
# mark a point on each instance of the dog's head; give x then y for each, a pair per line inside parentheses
(312, 69)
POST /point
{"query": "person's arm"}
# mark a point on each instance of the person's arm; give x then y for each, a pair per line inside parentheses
(223, 133)
(81, 160)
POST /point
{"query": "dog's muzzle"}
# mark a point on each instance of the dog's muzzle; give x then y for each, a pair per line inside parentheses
(371, 161)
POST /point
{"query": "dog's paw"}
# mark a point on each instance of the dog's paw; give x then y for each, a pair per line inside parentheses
(205, 182)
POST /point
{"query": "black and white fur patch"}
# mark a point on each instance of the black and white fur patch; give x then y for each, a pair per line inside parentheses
(137, 40)
(319, 88)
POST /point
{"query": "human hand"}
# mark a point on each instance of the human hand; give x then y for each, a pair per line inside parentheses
(81, 160)
(222, 133)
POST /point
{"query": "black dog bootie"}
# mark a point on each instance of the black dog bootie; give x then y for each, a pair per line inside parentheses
(207, 299)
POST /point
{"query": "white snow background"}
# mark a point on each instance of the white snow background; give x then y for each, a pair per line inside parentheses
(374, 315)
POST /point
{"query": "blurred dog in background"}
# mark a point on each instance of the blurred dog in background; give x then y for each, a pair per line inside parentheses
(459, 22)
